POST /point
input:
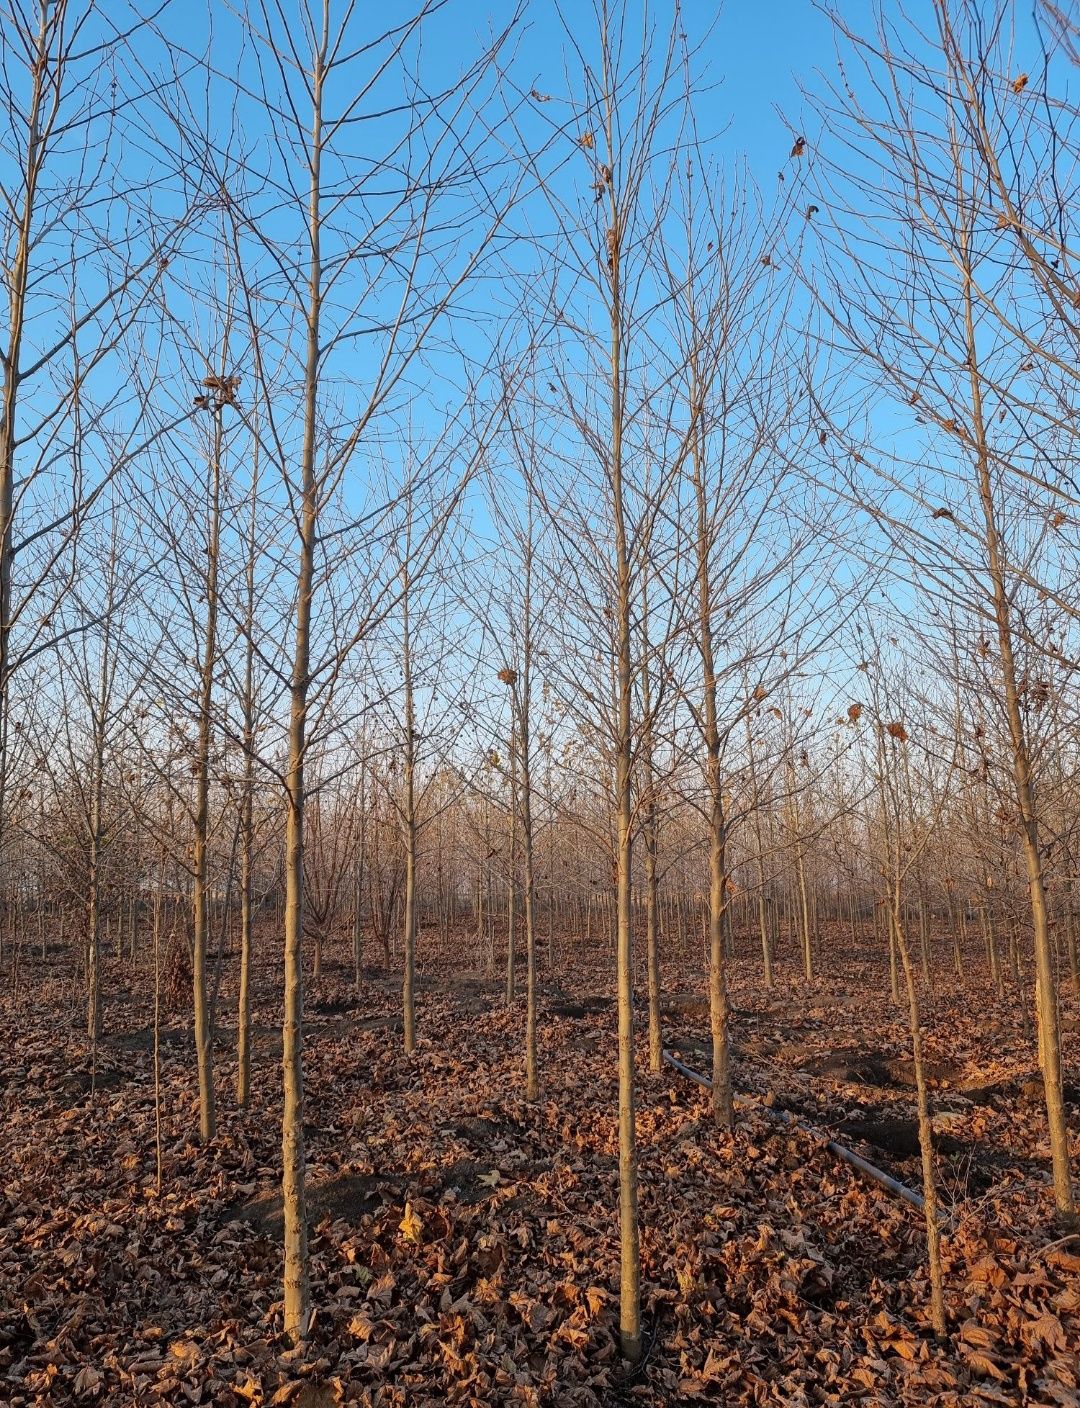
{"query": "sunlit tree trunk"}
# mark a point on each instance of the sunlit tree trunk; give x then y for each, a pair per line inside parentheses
(650, 836)
(511, 874)
(759, 858)
(723, 1106)
(532, 1074)
(905, 841)
(1046, 1006)
(247, 822)
(630, 1257)
(926, 1139)
(97, 782)
(408, 820)
(358, 882)
(297, 1285)
(204, 1050)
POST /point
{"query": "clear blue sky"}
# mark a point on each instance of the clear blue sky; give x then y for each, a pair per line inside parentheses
(758, 54)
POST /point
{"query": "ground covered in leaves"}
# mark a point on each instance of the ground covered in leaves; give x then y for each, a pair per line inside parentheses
(465, 1242)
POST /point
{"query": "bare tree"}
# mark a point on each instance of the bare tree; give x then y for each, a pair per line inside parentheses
(78, 273)
(386, 244)
(958, 363)
(615, 127)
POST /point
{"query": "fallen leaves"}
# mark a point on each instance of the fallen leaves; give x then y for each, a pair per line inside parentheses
(464, 1243)
(87, 1382)
(410, 1225)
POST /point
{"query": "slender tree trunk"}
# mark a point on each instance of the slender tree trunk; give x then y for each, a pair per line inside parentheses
(511, 883)
(93, 948)
(409, 826)
(894, 976)
(926, 1140)
(759, 849)
(46, 78)
(158, 920)
(297, 1284)
(532, 1076)
(247, 820)
(650, 836)
(358, 889)
(551, 892)
(629, 1248)
(409, 981)
(1045, 983)
(804, 906)
(723, 1106)
(204, 1051)
(243, 1007)
(652, 949)
(97, 821)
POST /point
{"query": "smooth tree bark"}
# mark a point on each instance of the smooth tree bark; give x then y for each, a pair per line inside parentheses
(360, 876)
(204, 1036)
(247, 799)
(906, 840)
(650, 839)
(513, 619)
(100, 725)
(1046, 1002)
(756, 804)
(408, 819)
(512, 867)
(600, 508)
(297, 1277)
(519, 685)
(722, 1093)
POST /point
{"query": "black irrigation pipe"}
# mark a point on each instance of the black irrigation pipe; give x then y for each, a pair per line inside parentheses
(845, 1155)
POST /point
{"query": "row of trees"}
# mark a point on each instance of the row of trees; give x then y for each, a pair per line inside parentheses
(422, 491)
(824, 837)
